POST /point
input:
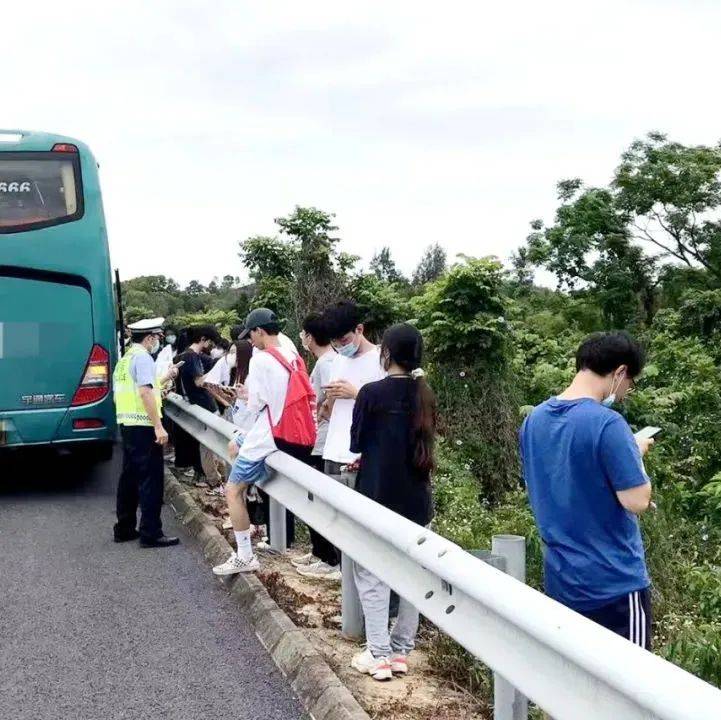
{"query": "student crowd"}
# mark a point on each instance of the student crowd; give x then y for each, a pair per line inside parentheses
(366, 411)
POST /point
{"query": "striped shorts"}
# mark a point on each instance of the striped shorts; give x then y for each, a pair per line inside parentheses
(628, 616)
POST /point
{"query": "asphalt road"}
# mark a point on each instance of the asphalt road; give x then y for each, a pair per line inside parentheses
(90, 629)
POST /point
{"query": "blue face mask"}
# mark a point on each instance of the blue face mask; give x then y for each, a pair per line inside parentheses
(348, 350)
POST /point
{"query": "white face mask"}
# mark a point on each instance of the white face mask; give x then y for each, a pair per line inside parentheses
(610, 399)
(230, 359)
(155, 347)
(170, 339)
(349, 350)
(216, 353)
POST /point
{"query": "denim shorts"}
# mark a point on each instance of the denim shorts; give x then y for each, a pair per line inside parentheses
(247, 471)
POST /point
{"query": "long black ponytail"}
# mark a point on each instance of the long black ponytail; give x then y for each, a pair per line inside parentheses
(403, 345)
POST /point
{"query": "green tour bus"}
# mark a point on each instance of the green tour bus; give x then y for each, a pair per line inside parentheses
(58, 333)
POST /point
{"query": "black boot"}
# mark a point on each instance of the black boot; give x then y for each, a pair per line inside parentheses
(162, 541)
(121, 536)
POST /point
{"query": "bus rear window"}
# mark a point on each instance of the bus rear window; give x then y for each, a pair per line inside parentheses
(38, 190)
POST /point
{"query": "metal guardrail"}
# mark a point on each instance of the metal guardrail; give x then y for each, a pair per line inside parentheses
(566, 664)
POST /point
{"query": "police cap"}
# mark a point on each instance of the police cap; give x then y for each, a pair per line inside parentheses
(149, 326)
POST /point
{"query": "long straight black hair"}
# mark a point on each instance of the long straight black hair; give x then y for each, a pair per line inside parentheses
(243, 353)
(403, 345)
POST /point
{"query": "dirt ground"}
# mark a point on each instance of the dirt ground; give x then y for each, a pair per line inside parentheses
(314, 606)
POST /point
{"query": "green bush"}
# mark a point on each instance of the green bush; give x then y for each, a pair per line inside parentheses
(462, 315)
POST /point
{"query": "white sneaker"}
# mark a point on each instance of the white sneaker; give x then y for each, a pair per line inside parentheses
(234, 565)
(377, 668)
(321, 570)
(399, 664)
(304, 560)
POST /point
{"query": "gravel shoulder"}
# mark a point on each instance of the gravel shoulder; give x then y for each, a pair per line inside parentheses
(314, 607)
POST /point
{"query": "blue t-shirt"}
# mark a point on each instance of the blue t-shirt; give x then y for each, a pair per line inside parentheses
(142, 369)
(576, 455)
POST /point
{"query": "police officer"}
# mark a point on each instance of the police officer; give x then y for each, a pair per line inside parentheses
(138, 403)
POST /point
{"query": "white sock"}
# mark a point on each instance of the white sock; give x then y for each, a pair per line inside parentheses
(242, 540)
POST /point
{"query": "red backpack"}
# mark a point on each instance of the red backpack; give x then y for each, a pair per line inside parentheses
(297, 423)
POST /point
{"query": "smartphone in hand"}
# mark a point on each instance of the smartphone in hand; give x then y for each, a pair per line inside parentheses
(647, 433)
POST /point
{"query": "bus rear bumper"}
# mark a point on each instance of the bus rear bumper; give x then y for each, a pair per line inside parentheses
(59, 426)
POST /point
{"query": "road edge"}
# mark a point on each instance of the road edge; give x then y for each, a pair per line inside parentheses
(319, 689)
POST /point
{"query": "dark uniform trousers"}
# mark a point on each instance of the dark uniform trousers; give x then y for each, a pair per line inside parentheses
(141, 482)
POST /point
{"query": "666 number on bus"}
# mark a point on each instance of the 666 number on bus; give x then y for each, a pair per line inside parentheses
(15, 187)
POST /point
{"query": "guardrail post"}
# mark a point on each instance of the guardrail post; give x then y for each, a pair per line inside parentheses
(508, 703)
(352, 624)
(278, 532)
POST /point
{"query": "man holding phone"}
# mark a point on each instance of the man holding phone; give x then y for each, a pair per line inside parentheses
(356, 363)
(586, 482)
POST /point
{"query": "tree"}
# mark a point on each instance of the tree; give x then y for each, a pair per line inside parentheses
(221, 319)
(229, 282)
(195, 288)
(589, 247)
(381, 302)
(663, 196)
(275, 293)
(522, 268)
(667, 192)
(462, 314)
(133, 313)
(384, 268)
(432, 265)
(318, 277)
(152, 284)
(265, 256)
(311, 229)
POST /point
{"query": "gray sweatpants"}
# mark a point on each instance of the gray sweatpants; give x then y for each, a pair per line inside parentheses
(375, 598)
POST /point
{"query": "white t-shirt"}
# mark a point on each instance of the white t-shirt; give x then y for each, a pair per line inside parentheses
(267, 385)
(358, 371)
(319, 378)
(242, 417)
(285, 343)
(219, 374)
(164, 361)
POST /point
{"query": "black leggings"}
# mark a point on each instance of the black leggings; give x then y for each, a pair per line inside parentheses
(299, 453)
(322, 548)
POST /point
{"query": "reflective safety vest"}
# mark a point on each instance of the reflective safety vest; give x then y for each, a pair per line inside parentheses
(129, 406)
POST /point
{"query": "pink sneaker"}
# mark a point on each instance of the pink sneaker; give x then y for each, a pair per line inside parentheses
(399, 665)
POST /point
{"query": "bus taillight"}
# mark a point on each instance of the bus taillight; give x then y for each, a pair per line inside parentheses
(64, 147)
(95, 384)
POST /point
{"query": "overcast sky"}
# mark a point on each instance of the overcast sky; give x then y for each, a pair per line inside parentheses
(414, 122)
